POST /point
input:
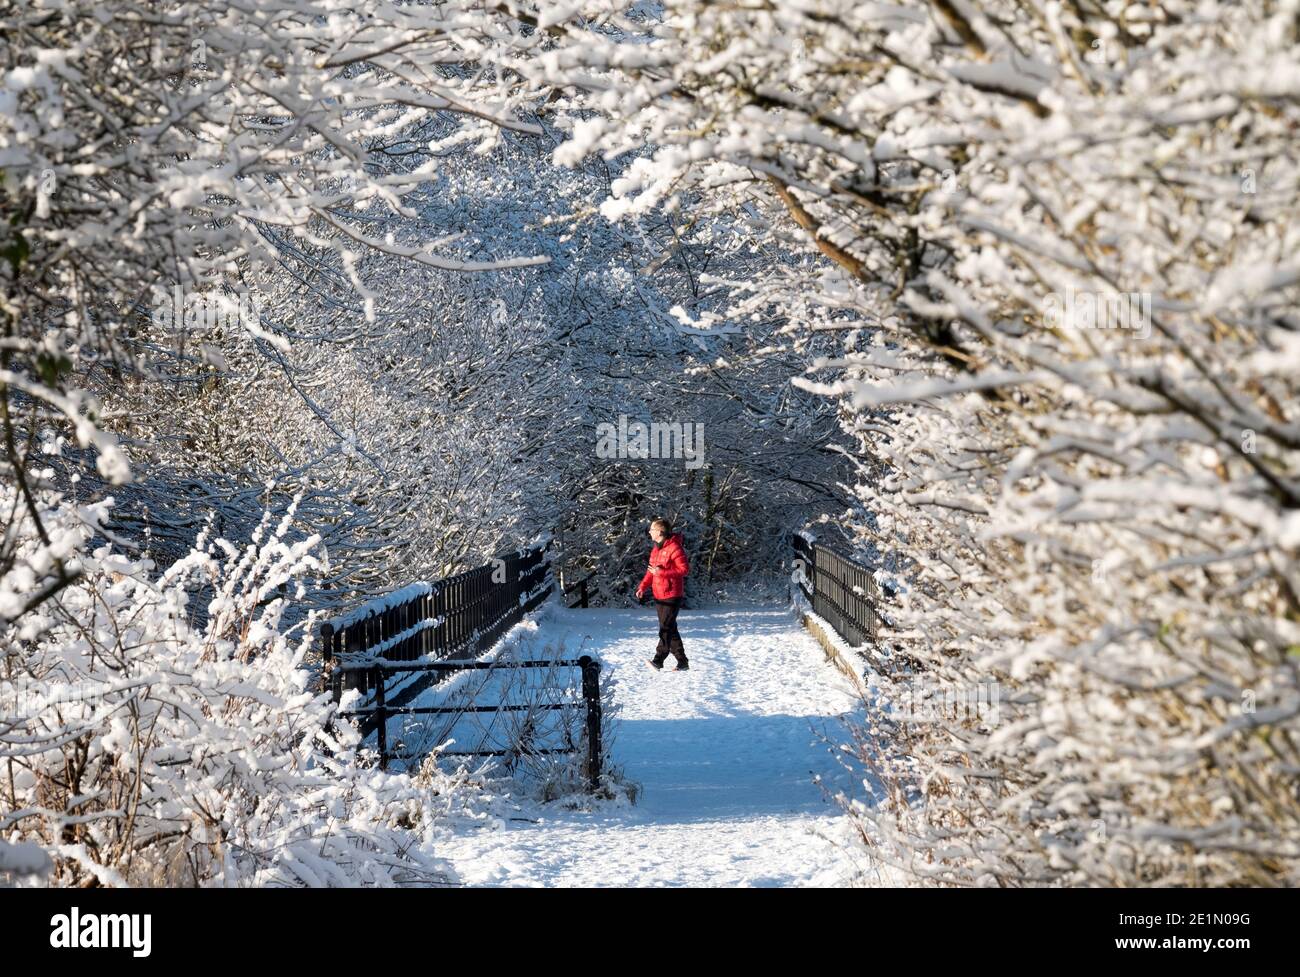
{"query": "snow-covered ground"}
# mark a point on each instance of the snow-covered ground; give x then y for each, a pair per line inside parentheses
(726, 754)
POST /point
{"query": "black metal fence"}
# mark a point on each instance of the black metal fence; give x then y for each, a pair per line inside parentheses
(455, 617)
(384, 648)
(377, 714)
(843, 593)
(581, 587)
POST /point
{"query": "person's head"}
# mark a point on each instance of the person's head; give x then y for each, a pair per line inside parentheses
(660, 530)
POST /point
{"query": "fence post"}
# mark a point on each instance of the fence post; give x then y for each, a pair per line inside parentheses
(591, 693)
(582, 593)
(381, 716)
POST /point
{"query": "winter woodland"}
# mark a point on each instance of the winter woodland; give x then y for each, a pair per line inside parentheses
(305, 300)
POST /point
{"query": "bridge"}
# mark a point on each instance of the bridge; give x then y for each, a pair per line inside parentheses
(727, 771)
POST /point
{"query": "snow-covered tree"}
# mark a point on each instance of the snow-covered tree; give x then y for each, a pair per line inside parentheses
(1061, 239)
(152, 150)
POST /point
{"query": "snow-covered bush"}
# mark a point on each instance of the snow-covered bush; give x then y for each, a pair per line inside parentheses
(138, 748)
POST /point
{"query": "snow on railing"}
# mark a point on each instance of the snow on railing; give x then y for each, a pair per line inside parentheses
(381, 604)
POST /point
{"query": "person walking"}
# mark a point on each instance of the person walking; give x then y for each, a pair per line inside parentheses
(666, 578)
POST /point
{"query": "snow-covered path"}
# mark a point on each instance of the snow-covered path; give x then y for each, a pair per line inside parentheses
(726, 754)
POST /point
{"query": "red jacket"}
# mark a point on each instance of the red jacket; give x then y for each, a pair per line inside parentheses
(670, 557)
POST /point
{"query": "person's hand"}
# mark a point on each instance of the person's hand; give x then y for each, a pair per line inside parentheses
(654, 569)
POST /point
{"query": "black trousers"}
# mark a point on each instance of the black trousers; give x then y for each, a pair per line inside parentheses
(670, 642)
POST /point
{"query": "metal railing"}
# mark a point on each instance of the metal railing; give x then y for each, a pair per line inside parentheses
(581, 587)
(843, 593)
(373, 648)
(379, 712)
(455, 617)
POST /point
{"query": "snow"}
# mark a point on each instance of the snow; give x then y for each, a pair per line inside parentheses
(381, 604)
(1105, 521)
(726, 756)
(23, 858)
